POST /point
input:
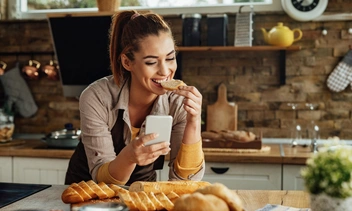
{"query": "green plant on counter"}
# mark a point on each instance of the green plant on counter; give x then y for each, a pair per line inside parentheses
(329, 171)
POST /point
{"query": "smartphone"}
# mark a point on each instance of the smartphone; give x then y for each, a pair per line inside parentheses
(160, 124)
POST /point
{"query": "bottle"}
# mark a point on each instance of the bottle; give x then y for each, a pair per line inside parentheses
(7, 126)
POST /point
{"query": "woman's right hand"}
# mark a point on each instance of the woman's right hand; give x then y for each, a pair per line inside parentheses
(143, 155)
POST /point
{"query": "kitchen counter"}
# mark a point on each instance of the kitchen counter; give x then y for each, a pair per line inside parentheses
(278, 153)
(50, 199)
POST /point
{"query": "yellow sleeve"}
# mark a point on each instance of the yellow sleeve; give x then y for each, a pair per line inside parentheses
(189, 159)
(103, 175)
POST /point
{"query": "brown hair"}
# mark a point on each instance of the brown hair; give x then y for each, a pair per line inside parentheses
(128, 29)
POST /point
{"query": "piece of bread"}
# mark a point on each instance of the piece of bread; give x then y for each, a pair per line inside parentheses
(221, 191)
(179, 187)
(162, 197)
(200, 202)
(172, 84)
(84, 191)
(238, 135)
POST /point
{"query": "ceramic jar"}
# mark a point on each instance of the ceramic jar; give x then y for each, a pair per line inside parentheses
(7, 126)
(323, 202)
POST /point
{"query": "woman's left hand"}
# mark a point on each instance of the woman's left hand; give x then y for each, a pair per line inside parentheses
(192, 102)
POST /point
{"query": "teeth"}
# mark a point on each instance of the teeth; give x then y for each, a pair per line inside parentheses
(159, 81)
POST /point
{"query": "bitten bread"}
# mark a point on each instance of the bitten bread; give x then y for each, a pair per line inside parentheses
(179, 187)
(172, 84)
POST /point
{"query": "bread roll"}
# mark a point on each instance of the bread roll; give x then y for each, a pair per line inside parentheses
(179, 187)
(231, 198)
(200, 202)
(172, 84)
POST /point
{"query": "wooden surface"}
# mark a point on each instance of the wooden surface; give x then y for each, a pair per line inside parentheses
(34, 148)
(278, 153)
(221, 115)
(50, 199)
(271, 156)
(233, 48)
(296, 155)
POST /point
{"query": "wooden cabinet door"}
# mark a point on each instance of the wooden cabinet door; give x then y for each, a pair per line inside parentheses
(40, 170)
(244, 176)
(292, 179)
(5, 169)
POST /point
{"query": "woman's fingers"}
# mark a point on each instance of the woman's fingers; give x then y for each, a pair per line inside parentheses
(146, 154)
(193, 99)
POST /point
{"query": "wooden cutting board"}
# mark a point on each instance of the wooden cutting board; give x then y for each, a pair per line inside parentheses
(221, 115)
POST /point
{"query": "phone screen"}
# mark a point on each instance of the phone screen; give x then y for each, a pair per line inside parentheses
(160, 124)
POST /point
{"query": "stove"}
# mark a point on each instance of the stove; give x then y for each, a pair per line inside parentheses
(12, 192)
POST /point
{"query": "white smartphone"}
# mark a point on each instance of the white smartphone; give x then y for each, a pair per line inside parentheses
(160, 124)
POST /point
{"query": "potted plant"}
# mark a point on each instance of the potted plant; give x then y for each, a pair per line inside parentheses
(328, 178)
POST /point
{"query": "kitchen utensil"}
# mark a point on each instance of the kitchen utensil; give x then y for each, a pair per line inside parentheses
(65, 138)
(51, 70)
(221, 115)
(3, 66)
(281, 35)
(31, 70)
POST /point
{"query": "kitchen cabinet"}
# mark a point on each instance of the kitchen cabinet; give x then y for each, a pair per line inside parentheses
(39, 170)
(244, 176)
(239, 176)
(5, 169)
(281, 59)
(292, 179)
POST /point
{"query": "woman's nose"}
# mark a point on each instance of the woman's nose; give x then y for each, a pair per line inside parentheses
(163, 69)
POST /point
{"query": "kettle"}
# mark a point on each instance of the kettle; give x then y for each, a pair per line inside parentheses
(281, 35)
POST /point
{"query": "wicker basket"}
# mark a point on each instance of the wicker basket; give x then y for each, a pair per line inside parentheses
(108, 5)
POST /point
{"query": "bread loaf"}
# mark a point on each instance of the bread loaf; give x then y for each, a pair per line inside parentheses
(84, 191)
(214, 197)
(200, 202)
(179, 187)
(172, 84)
(143, 195)
(222, 192)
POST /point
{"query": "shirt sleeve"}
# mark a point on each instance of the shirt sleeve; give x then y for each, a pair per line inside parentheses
(189, 160)
(103, 175)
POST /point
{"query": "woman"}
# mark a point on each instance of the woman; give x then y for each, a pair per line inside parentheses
(113, 110)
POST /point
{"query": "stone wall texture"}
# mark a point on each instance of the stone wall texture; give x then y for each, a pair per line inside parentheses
(252, 77)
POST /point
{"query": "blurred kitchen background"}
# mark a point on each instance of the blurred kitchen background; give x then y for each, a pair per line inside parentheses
(253, 78)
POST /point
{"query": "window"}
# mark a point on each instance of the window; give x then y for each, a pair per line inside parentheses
(25, 9)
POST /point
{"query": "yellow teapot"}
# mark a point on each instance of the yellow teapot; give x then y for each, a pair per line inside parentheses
(281, 35)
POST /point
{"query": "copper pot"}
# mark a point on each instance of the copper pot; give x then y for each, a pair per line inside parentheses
(31, 70)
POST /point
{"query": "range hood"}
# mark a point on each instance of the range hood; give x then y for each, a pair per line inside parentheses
(81, 44)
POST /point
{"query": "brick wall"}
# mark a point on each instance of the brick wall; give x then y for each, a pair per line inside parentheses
(251, 77)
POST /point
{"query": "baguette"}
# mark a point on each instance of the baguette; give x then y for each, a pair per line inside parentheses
(172, 84)
(179, 187)
(85, 191)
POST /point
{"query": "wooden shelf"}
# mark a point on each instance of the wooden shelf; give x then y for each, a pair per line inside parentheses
(282, 50)
(235, 48)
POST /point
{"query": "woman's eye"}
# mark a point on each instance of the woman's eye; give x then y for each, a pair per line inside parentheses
(170, 59)
(150, 63)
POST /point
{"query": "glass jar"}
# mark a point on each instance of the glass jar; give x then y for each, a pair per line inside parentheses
(7, 126)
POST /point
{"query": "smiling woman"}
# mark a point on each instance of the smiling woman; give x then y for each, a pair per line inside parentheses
(25, 9)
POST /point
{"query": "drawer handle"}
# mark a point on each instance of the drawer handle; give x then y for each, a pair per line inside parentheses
(219, 170)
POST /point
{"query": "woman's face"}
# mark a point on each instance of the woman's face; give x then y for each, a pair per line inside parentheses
(155, 62)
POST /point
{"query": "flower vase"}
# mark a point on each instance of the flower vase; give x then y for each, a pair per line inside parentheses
(323, 202)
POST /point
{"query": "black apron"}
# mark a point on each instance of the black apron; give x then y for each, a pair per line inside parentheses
(78, 166)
